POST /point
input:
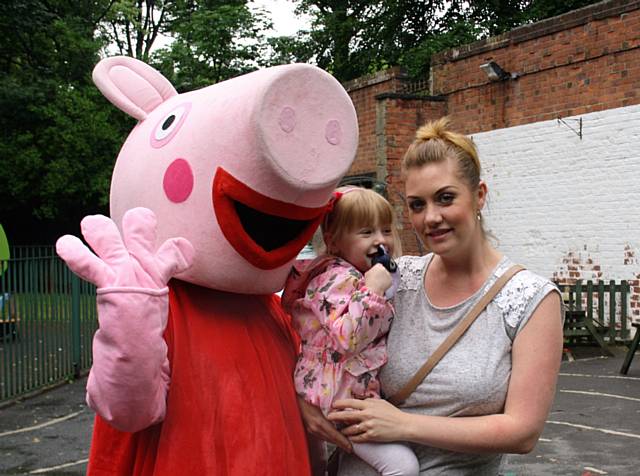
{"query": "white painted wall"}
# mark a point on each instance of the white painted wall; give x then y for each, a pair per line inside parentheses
(556, 200)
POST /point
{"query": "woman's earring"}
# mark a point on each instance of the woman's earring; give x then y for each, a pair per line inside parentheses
(479, 215)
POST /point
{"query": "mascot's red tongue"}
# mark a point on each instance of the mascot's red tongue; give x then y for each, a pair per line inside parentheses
(266, 232)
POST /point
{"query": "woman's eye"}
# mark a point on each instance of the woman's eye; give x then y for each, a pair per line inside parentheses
(416, 206)
(447, 198)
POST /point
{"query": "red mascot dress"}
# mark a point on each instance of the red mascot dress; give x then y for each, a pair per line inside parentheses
(240, 370)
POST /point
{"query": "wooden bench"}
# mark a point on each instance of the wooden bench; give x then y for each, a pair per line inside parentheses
(578, 329)
(592, 310)
(633, 347)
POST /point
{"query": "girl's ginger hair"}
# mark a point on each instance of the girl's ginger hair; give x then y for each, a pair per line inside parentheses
(435, 142)
(357, 208)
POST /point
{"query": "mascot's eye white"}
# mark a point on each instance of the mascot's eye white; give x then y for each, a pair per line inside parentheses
(169, 125)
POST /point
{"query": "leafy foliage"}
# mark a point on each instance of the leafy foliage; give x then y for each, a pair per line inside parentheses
(494, 17)
(58, 137)
(213, 41)
(133, 26)
(356, 37)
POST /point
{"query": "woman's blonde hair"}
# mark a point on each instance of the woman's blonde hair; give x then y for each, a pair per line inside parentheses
(435, 142)
(358, 208)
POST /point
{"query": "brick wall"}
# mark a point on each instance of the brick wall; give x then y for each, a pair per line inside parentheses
(363, 92)
(580, 62)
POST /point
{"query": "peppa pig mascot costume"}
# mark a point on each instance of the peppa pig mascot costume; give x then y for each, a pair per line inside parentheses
(213, 194)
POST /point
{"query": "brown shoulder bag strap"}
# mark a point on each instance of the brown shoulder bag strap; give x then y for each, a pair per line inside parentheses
(451, 339)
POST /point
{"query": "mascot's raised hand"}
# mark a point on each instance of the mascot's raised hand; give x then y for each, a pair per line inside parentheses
(132, 296)
(129, 260)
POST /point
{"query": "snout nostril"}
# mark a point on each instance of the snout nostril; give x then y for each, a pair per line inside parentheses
(333, 132)
(287, 119)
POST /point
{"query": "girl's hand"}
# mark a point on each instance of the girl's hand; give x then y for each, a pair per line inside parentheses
(318, 426)
(378, 279)
(369, 420)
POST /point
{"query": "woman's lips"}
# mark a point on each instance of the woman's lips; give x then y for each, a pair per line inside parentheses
(438, 234)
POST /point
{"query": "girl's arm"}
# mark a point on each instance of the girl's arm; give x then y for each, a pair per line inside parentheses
(353, 314)
(536, 356)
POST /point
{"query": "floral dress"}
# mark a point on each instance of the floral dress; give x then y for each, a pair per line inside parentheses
(342, 325)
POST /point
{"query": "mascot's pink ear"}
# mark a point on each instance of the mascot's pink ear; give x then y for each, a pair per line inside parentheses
(131, 85)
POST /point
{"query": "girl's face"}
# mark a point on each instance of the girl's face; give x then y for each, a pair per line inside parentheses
(359, 245)
(443, 209)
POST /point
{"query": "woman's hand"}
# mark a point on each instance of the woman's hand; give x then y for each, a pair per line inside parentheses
(318, 426)
(369, 420)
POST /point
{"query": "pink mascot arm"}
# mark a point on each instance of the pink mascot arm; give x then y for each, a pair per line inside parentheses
(129, 379)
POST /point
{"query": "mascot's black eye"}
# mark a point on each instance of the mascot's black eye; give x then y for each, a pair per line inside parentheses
(169, 124)
(168, 121)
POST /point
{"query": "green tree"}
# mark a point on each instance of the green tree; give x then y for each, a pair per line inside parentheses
(212, 41)
(336, 34)
(204, 41)
(288, 49)
(354, 37)
(133, 27)
(59, 138)
(494, 17)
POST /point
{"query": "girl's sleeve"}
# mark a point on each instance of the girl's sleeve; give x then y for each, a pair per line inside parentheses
(353, 315)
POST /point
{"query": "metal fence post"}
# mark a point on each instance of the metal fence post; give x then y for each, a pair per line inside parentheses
(75, 326)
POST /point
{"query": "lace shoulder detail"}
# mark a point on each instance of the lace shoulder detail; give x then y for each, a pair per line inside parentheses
(411, 271)
(518, 299)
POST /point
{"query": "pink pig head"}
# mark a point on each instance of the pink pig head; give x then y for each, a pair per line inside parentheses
(243, 169)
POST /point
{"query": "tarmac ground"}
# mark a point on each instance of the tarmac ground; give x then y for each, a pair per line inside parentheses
(593, 427)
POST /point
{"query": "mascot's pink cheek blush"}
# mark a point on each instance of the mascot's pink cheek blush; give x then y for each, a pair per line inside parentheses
(178, 181)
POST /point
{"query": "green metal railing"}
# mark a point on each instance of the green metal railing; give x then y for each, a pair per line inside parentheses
(47, 320)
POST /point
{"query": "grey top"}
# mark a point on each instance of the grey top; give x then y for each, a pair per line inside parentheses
(472, 378)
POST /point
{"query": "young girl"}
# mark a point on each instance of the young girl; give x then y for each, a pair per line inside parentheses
(338, 307)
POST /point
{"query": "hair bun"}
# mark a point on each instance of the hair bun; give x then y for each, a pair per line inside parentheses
(434, 130)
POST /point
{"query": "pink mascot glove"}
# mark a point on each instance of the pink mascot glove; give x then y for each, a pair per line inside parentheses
(129, 379)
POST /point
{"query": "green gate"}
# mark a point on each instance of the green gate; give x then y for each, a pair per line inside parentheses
(47, 320)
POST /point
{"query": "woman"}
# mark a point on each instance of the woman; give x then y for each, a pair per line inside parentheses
(492, 391)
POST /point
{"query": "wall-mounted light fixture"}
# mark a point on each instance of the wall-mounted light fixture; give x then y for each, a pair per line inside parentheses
(495, 73)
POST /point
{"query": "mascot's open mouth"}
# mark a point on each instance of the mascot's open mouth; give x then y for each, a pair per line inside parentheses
(264, 231)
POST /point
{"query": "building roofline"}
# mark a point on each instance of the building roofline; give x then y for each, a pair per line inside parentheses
(572, 19)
